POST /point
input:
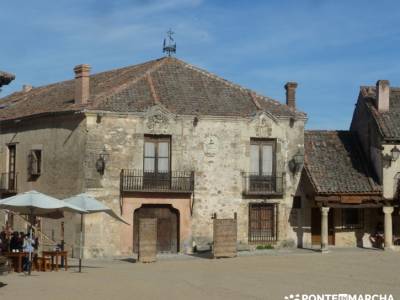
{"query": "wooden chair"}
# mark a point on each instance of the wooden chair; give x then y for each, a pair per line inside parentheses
(36, 264)
(11, 265)
(42, 264)
(3, 265)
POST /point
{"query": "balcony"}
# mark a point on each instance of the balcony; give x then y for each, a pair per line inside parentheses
(8, 183)
(172, 182)
(262, 185)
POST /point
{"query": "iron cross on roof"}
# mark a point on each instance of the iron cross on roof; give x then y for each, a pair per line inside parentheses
(169, 46)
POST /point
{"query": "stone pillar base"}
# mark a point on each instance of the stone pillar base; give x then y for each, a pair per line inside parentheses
(389, 248)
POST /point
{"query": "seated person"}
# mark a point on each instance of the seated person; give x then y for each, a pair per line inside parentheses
(377, 238)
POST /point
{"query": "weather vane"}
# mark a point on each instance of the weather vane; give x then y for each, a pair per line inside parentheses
(169, 47)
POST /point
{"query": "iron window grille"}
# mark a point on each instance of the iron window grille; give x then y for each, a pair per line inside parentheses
(263, 223)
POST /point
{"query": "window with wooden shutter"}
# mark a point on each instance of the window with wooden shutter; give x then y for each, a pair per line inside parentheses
(35, 163)
(157, 160)
(262, 156)
(12, 174)
(262, 165)
(157, 154)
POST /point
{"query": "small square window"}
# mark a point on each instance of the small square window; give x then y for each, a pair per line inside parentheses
(352, 218)
(35, 163)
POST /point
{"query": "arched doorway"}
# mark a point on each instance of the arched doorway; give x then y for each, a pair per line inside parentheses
(167, 226)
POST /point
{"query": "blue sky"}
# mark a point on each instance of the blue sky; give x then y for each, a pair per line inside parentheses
(329, 47)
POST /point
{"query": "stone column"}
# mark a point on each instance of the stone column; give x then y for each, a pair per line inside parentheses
(324, 229)
(388, 210)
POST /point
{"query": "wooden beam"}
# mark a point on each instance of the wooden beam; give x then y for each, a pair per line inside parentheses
(362, 205)
(349, 198)
(327, 198)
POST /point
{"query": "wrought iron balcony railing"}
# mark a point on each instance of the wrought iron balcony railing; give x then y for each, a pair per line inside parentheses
(8, 182)
(173, 182)
(255, 184)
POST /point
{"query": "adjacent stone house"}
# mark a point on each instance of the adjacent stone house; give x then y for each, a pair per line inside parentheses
(161, 139)
(350, 182)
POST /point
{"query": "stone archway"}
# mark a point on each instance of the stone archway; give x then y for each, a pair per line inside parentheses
(168, 224)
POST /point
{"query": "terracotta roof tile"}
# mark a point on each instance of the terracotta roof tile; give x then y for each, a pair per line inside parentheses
(335, 163)
(178, 86)
(388, 122)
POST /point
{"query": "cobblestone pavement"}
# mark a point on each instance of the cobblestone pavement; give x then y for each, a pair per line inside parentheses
(260, 275)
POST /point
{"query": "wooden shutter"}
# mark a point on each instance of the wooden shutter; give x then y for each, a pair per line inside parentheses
(267, 160)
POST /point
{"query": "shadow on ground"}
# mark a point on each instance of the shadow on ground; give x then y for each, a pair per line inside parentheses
(84, 267)
(205, 255)
(129, 260)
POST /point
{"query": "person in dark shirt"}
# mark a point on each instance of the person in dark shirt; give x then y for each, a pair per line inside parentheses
(14, 241)
(21, 241)
(3, 242)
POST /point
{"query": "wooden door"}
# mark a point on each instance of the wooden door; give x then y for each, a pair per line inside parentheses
(316, 226)
(167, 227)
(164, 238)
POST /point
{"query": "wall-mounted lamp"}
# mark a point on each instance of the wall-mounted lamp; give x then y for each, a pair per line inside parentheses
(296, 163)
(393, 156)
(195, 121)
(395, 153)
(101, 161)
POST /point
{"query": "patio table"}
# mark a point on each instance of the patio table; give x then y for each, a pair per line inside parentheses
(56, 255)
(17, 256)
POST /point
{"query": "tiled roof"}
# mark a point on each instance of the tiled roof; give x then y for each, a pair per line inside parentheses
(388, 122)
(335, 163)
(5, 78)
(180, 87)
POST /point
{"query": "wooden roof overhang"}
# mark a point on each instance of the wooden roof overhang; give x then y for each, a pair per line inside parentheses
(345, 200)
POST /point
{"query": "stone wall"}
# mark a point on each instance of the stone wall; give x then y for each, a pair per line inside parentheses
(390, 173)
(62, 140)
(369, 136)
(217, 149)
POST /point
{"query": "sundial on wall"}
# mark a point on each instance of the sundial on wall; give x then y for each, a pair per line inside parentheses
(211, 145)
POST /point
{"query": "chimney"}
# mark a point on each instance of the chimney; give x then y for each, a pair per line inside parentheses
(82, 73)
(291, 94)
(26, 88)
(382, 95)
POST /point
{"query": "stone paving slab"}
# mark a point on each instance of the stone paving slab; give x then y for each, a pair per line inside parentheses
(260, 275)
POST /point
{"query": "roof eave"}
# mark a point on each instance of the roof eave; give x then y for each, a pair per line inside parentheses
(39, 115)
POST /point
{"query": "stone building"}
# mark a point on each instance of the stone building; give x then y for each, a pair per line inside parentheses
(161, 139)
(350, 183)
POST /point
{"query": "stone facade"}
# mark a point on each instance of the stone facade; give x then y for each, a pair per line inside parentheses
(62, 140)
(209, 121)
(216, 149)
(375, 131)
